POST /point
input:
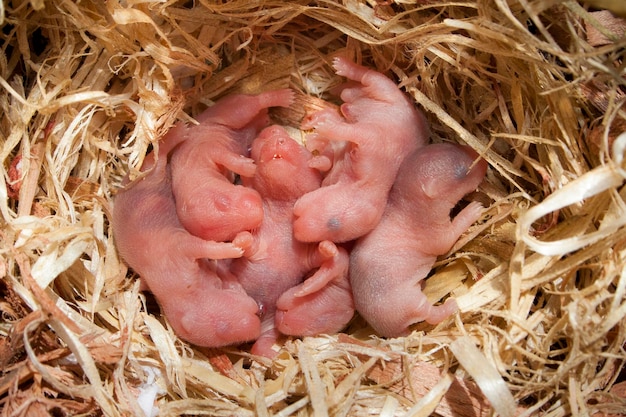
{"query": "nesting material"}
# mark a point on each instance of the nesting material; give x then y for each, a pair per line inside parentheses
(535, 87)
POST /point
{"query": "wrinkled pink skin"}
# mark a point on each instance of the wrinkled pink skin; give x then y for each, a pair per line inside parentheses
(208, 204)
(381, 126)
(275, 265)
(387, 265)
(175, 265)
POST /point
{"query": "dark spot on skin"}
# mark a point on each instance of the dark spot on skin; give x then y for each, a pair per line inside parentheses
(333, 223)
(460, 171)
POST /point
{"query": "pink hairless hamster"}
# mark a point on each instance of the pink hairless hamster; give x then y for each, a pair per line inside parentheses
(275, 265)
(208, 204)
(381, 126)
(387, 265)
(174, 265)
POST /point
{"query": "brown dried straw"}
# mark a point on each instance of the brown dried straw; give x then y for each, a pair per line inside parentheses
(536, 86)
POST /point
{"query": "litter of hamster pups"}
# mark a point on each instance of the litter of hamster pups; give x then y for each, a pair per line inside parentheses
(91, 91)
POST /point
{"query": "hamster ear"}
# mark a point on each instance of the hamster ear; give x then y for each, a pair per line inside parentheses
(430, 187)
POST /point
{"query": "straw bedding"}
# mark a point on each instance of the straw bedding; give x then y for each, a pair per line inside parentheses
(535, 86)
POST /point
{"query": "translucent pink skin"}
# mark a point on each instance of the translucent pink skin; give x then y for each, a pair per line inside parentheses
(174, 264)
(208, 204)
(381, 126)
(275, 265)
(387, 265)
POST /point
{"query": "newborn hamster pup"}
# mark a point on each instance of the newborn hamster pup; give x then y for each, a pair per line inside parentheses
(208, 204)
(381, 126)
(387, 265)
(275, 262)
(174, 265)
